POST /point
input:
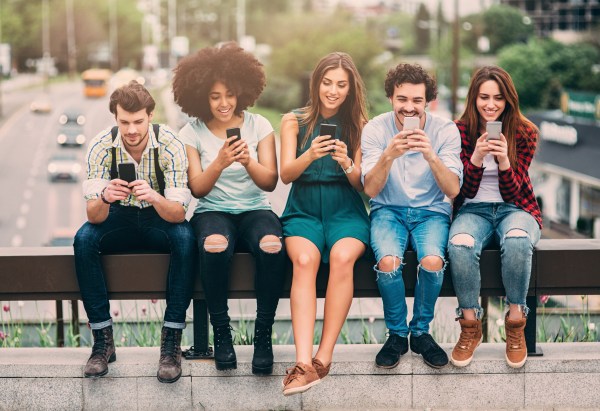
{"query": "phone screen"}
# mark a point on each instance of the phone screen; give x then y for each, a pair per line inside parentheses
(127, 172)
(231, 132)
(493, 128)
(411, 123)
(328, 130)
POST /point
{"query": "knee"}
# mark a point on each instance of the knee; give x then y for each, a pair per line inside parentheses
(389, 264)
(85, 236)
(215, 243)
(270, 244)
(517, 233)
(341, 258)
(462, 240)
(432, 263)
(304, 262)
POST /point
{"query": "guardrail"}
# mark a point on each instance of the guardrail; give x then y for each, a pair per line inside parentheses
(560, 267)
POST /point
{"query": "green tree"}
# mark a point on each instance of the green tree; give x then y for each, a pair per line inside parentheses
(505, 25)
(529, 69)
(422, 25)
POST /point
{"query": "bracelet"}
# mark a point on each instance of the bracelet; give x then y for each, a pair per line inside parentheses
(104, 200)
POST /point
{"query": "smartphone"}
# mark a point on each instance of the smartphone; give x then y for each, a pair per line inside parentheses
(411, 123)
(328, 130)
(231, 132)
(493, 128)
(127, 172)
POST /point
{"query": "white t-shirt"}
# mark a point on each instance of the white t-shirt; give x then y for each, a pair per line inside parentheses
(489, 189)
(234, 192)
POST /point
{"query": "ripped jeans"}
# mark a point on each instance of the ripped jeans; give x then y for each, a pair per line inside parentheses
(243, 232)
(391, 230)
(487, 224)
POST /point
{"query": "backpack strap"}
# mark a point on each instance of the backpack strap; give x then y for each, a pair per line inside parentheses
(160, 176)
(113, 166)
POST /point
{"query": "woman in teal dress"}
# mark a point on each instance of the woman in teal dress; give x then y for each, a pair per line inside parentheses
(325, 217)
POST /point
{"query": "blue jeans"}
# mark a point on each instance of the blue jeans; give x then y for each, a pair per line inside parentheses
(391, 230)
(487, 224)
(244, 233)
(129, 229)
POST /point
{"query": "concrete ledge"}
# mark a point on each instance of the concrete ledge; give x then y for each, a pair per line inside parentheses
(566, 377)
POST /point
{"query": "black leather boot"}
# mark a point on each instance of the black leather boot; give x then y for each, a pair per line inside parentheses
(262, 361)
(169, 365)
(225, 358)
(103, 352)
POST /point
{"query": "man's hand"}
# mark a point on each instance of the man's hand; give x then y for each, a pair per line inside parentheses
(419, 141)
(398, 146)
(116, 190)
(142, 190)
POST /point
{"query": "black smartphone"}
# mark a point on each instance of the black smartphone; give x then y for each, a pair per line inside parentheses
(127, 172)
(231, 132)
(328, 130)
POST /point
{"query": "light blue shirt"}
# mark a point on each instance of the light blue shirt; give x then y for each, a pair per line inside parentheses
(234, 192)
(411, 182)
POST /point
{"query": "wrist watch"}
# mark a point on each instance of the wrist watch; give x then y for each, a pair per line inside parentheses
(350, 169)
(104, 200)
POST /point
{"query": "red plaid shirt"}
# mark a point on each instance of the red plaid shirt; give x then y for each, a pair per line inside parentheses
(515, 185)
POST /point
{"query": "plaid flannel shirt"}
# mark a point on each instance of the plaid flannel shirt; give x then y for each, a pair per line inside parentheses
(515, 185)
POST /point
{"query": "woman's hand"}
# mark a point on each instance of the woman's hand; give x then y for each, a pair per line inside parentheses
(340, 154)
(231, 152)
(320, 147)
(499, 149)
(481, 150)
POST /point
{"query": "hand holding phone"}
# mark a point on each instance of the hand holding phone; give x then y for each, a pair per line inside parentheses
(328, 130)
(127, 172)
(231, 132)
(493, 128)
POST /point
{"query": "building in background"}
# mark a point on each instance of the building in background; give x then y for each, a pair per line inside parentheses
(563, 20)
(566, 169)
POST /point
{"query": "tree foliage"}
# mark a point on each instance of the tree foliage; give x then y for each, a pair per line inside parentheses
(505, 25)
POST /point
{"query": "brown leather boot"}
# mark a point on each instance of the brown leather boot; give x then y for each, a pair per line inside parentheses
(169, 365)
(103, 352)
(470, 338)
(516, 348)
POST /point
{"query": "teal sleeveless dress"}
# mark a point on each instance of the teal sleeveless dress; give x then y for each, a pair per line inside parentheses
(322, 205)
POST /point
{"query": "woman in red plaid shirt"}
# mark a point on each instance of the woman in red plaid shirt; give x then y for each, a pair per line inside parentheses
(496, 205)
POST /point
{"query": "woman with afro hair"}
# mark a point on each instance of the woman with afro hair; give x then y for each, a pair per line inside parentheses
(325, 218)
(230, 176)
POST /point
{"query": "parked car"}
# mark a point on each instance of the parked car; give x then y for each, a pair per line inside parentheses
(41, 104)
(64, 166)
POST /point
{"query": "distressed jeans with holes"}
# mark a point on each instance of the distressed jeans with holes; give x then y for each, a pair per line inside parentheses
(489, 224)
(392, 230)
(244, 233)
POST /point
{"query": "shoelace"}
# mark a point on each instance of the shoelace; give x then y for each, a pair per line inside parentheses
(223, 336)
(168, 347)
(100, 347)
(262, 339)
(466, 339)
(514, 340)
(293, 373)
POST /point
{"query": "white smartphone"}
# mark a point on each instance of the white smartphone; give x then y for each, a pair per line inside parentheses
(411, 123)
(493, 128)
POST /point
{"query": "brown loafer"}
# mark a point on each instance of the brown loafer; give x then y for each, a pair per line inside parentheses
(321, 370)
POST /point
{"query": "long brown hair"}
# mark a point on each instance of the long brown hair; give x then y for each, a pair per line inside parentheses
(353, 111)
(513, 122)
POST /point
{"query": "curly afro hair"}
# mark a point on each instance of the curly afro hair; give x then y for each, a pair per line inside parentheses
(413, 74)
(196, 74)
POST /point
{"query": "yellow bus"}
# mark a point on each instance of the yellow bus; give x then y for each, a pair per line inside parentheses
(95, 82)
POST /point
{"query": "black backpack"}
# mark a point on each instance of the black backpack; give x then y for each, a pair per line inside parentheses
(159, 173)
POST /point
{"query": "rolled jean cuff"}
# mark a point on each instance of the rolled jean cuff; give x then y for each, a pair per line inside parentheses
(478, 312)
(524, 307)
(103, 324)
(176, 326)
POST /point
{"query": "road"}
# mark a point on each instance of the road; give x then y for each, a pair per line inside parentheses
(32, 207)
